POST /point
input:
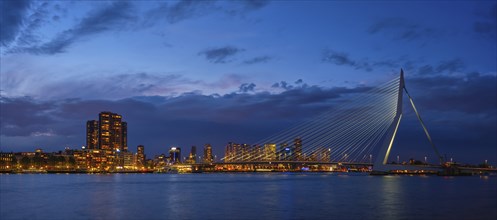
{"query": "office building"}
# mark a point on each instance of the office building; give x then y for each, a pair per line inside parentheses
(92, 134)
(192, 158)
(112, 132)
(208, 157)
(175, 155)
(140, 156)
(297, 145)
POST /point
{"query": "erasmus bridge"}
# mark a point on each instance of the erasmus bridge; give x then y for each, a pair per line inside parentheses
(349, 133)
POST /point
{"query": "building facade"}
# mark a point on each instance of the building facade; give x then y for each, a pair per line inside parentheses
(113, 132)
(208, 157)
(92, 134)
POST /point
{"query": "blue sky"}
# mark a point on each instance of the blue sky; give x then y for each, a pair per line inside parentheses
(186, 72)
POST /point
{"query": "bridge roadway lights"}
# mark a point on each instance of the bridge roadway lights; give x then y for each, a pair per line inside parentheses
(281, 166)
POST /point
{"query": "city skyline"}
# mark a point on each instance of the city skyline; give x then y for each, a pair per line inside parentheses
(187, 73)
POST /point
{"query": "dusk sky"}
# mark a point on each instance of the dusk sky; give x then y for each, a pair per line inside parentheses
(186, 73)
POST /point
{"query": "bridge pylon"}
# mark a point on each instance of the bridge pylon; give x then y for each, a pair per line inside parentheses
(380, 165)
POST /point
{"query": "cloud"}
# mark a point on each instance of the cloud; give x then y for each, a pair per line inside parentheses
(449, 66)
(115, 16)
(299, 84)
(458, 110)
(209, 116)
(221, 54)
(472, 94)
(186, 9)
(20, 81)
(343, 59)
(37, 17)
(487, 24)
(401, 29)
(255, 4)
(247, 87)
(260, 59)
(12, 19)
(189, 9)
(23, 115)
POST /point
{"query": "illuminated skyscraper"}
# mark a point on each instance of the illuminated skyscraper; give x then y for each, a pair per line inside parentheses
(140, 156)
(124, 136)
(192, 158)
(175, 155)
(297, 145)
(270, 152)
(285, 152)
(233, 152)
(113, 132)
(92, 134)
(208, 157)
(108, 133)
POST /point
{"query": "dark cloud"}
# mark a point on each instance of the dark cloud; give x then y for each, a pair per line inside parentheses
(186, 9)
(160, 121)
(401, 29)
(448, 66)
(261, 59)
(458, 110)
(255, 4)
(299, 84)
(115, 16)
(471, 94)
(343, 59)
(487, 24)
(23, 116)
(11, 19)
(189, 9)
(247, 87)
(221, 54)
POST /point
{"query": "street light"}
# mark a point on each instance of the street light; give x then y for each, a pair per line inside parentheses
(425, 159)
(398, 159)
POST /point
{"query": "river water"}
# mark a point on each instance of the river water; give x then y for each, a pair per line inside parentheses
(246, 196)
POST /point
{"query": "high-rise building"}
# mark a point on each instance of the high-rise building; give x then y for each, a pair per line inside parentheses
(285, 152)
(208, 157)
(125, 136)
(245, 151)
(92, 134)
(175, 155)
(192, 158)
(257, 153)
(297, 145)
(232, 152)
(112, 132)
(270, 152)
(140, 156)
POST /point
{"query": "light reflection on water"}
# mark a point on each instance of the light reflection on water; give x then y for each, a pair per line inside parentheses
(246, 196)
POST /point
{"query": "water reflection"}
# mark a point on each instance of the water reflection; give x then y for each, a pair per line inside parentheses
(245, 196)
(390, 201)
